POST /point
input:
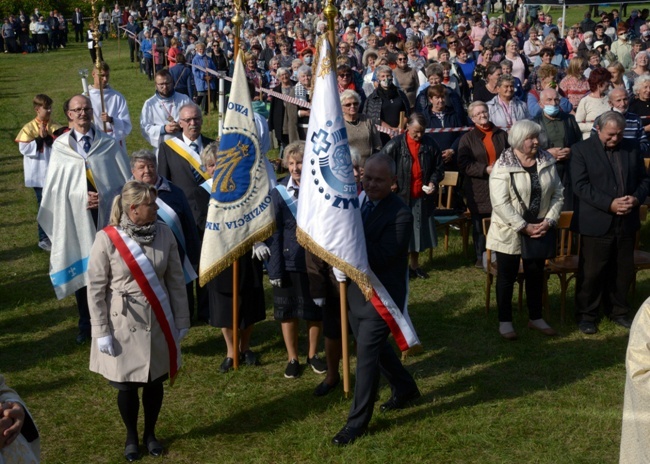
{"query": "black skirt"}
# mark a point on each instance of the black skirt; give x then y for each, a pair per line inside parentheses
(252, 308)
(293, 300)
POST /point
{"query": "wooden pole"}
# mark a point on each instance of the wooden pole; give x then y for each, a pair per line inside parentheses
(237, 22)
(331, 13)
(98, 62)
(343, 292)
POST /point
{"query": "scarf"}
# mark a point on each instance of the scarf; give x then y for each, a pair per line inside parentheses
(489, 144)
(389, 93)
(141, 234)
(416, 169)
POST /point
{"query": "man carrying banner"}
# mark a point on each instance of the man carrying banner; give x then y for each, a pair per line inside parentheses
(159, 117)
(325, 223)
(86, 168)
(388, 224)
(116, 117)
(179, 161)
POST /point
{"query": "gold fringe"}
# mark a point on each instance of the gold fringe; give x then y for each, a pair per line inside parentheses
(234, 254)
(360, 278)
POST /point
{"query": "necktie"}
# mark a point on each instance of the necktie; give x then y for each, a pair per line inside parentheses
(366, 210)
(86, 140)
(197, 175)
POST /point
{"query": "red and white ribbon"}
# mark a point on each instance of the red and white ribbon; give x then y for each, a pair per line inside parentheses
(146, 277)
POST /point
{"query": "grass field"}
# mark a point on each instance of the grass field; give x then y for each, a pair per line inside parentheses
(485, 400)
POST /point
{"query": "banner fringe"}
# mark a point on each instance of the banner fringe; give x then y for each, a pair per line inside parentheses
(234, 254)
(360, 278)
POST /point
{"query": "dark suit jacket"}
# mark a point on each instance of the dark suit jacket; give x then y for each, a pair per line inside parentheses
(388, 231)
(594, 185)
(174, 168)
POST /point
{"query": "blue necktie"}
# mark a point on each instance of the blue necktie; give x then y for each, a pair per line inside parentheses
(86, 140)
(197, 176)
(366, 210)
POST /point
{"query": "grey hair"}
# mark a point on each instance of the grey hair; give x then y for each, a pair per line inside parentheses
(506, 63)
(193, 106)
(640, 54)
(611, 117)
(522, 130)
(505, 78)
(348, 94)
(639, 81)
(383, 68)
(385, 159)
(282, 71)
(145, 155)
(304, 69)
(209, 153)
(476, 104)
(295, 150)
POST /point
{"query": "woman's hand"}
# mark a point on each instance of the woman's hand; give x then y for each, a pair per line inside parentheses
(537, 230)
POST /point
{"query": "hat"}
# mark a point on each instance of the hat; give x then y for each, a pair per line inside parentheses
(598, 43)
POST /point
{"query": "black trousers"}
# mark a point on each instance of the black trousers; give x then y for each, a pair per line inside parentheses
(606, 270)
(374, 355)
(84, 312)
(478, 237)
(507, 271)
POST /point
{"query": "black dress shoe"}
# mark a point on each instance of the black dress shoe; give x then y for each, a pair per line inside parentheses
(417, 273)
(324, 388)
(400, 402)
(347, 436)
(622, 321)
(587, 327)
(226, 365)
(155, 448)
(82, 338)
(131, 452)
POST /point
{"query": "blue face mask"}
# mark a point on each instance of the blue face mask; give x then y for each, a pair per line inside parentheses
(551, 110)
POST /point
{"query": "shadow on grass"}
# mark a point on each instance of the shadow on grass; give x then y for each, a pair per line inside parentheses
(21, 290)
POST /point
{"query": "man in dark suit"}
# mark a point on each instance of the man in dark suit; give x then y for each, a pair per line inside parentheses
(179, 162)
(388, 225)
(78, 23)
(610, 181)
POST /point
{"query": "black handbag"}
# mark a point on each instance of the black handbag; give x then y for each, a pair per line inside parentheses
(544, 247)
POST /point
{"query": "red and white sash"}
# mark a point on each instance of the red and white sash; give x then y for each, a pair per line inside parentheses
(145, 276)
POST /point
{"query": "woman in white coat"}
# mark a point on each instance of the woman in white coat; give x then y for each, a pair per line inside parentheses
(138, 309)
(530, 171)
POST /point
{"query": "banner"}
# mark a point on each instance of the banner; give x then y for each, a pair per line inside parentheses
(329, 222)
(240, 212)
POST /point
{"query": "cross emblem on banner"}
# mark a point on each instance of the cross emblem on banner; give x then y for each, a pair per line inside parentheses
(320, 142)
(72, 272)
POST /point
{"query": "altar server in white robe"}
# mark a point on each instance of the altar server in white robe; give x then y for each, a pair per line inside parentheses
(116, 114)
(159, 120)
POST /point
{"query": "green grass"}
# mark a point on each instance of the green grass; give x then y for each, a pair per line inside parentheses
(484, 400)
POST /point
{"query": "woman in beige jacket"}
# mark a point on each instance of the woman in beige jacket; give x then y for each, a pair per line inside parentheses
(133, 347)
(533, 173)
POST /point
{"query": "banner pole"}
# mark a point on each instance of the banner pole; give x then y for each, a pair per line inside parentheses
(222, 104)
(235, 313)
(343, 292)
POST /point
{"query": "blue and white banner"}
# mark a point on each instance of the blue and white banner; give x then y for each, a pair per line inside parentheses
(329, 222)
(240, 212)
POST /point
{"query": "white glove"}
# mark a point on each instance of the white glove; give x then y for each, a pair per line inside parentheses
(320, 302)
(182, 333)
(340, 275)
(261, 251)
(105, 345)
(276, 282)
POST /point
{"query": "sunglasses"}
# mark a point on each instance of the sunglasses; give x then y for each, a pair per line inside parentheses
(402, 59)
(347, 105)
(345, 75)
(452, 43)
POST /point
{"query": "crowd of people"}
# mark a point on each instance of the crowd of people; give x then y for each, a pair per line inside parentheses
(548, 119)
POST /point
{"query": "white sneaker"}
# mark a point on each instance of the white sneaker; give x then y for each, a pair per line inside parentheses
(45, 244)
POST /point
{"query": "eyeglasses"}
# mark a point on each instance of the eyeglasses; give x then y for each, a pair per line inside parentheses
(345, 75)
(347, 105)
(81, 110)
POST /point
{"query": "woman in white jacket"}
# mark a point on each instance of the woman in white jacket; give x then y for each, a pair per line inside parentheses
(526, 169)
